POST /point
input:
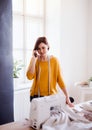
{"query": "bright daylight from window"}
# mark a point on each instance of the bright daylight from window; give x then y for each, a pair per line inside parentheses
(28, 24)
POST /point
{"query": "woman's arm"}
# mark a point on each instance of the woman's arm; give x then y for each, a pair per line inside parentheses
(31, 68)
(67, 97)
(63, 86)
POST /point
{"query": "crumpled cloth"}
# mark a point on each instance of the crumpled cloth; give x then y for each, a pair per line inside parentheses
(66, 119)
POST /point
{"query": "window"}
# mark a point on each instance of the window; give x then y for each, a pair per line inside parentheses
(28, 24)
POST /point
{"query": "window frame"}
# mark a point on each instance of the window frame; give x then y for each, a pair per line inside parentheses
(25, 49)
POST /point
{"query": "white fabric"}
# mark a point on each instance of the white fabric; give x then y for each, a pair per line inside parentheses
(41, 108)
(67, 119)
(87, 106)
(60, 117)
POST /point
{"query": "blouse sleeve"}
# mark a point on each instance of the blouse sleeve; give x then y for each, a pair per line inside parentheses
(60, 80)
(29, 75)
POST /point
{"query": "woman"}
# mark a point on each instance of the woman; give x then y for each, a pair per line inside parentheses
(45, 71)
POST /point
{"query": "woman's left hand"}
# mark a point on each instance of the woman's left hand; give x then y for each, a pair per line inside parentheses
(69, 102)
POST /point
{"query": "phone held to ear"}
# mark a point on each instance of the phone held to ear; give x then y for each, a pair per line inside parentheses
(35, 53)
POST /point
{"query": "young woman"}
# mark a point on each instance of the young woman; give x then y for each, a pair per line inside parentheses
(45, 70)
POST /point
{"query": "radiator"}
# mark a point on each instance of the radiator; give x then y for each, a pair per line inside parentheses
(21, 104)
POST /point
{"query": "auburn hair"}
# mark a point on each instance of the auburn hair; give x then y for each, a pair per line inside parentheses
(39, 40)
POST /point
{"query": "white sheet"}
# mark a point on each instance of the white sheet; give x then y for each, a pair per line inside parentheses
(67, 119)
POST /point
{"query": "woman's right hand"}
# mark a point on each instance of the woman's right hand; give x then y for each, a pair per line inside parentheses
(35, 53)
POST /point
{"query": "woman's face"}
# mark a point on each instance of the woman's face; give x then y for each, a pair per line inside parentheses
(42, 49)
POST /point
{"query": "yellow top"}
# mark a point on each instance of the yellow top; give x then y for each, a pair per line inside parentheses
(42, 82)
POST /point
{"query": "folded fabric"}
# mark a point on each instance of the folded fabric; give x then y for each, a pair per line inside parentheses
(66, 119)
(87, 106)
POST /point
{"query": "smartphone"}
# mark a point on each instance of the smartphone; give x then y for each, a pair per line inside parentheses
(35, 54)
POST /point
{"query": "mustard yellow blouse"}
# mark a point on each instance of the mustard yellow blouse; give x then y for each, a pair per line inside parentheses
(42, 82)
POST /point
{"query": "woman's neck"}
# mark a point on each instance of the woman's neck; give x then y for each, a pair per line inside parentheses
(44, 58)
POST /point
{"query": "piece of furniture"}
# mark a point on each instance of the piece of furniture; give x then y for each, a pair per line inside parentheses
(21, 101)
(79, 108)
(21, 104)
(82, 93)
(86, 93)
(16, 126)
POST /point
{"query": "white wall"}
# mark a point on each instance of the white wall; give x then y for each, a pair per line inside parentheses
(74, 41)
(89, 43)
(67, 28)
(53, 25)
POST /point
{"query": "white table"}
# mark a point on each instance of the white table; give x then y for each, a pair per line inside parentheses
(86, 93)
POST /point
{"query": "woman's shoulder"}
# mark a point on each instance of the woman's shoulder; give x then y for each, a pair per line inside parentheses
(53, 58)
